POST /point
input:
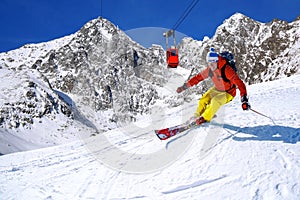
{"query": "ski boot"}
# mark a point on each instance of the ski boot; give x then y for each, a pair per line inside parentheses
(196, 121)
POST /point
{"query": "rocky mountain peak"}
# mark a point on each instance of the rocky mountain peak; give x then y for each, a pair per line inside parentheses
(262, 50)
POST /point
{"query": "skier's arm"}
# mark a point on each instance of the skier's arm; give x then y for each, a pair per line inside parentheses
(198, 78)
(193, 81)
(235, 79)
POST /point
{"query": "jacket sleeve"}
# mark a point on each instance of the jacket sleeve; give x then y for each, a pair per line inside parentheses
(235, 79)
(198, 78)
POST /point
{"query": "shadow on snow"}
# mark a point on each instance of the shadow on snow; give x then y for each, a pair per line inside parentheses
(266, 133)
(257, 133)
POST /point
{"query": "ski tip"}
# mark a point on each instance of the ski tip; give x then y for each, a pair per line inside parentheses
(160, 135)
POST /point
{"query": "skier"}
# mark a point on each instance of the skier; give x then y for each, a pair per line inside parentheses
(221, 93)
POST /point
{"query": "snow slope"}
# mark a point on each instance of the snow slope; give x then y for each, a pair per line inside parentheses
(240, 155)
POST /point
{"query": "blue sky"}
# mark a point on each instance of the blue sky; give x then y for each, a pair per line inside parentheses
(34, 21)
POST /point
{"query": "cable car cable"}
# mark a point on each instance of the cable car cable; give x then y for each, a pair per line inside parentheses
(185, 14)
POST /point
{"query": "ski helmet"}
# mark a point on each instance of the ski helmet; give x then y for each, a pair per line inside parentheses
(212, 56)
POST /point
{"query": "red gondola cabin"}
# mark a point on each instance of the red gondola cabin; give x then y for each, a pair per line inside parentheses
(172, 57)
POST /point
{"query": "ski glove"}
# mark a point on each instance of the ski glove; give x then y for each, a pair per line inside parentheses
(245, 103)
(182, 88)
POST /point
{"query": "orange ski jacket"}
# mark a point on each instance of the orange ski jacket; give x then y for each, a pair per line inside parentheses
(220, 84)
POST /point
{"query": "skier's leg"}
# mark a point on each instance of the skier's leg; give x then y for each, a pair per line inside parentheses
(203, 102)
(216, 102)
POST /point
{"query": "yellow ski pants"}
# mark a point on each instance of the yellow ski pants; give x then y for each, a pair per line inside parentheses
(210, 103)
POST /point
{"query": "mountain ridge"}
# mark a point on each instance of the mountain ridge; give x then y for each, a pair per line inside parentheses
(259, 48)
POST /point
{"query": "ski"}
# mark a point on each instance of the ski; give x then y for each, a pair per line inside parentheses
(166, 133)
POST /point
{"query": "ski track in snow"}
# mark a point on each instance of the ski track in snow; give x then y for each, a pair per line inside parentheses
(251, 159)
(192, 185)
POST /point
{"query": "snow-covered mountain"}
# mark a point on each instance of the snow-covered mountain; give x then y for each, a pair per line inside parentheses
(263, 51)
(239, 155)
(88, 83)
(76, 82)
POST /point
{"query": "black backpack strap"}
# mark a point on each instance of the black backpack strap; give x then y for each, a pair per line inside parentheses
(225, 78)
(223, 73)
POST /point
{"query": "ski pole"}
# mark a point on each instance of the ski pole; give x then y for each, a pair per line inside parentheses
(262, 115)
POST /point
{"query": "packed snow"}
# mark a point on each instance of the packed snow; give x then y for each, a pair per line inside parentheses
(239, 155)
